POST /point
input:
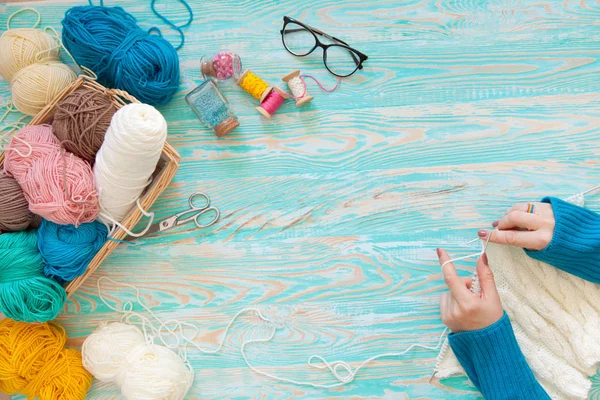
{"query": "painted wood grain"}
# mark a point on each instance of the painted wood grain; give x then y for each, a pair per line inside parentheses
(331, 213)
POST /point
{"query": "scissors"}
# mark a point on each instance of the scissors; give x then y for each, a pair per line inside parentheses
(191, 214)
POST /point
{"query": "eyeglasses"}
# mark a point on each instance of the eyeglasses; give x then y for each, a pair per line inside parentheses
(339, 58)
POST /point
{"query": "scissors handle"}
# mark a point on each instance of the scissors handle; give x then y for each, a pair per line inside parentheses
(199, 194)
(212, 222)
(197, 214)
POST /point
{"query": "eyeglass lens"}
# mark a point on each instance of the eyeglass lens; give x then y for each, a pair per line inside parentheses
(340, 61)
(299, 41)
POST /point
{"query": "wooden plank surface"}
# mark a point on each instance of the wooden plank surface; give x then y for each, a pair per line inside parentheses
(331, 213)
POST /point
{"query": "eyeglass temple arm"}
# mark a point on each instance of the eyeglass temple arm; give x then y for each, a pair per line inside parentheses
(321, 33)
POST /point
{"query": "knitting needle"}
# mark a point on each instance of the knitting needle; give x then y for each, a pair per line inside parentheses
(591, 190)
(432, 375)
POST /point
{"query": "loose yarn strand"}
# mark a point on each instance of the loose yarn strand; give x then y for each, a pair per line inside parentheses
(484, 245)
(129, 314)
(166, 20)
(171, 24)
(333, 367)
(339, 81)
(18, 124)
(343, 378)
(9, 108)
(60, 45)
(11, 16)
(115, 223)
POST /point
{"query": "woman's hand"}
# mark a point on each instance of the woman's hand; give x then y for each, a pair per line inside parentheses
(463, 310)
(532, 231)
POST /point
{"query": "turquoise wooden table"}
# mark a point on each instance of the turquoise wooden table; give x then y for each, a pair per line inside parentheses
(331, 213)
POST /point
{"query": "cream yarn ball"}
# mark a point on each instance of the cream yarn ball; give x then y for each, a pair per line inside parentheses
(29, 60)
(117, 352)
(36, 85)
(21, 47)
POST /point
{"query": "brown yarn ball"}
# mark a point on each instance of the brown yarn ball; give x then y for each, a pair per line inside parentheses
(81, 120)
(14, 209)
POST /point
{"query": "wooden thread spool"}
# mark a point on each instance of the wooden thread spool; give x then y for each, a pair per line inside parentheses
(298, 88)
(254, 85)
(271, 102)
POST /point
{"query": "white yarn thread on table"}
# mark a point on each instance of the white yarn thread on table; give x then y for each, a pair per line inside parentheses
(171, 329)
(127, 159)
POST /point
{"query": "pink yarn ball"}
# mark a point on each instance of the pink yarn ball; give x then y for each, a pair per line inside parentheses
(41, 140)
(58, 185)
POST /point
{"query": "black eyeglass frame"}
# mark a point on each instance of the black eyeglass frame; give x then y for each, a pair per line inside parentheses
(357, 56)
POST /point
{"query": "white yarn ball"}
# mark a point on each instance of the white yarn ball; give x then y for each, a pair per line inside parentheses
(155, 372)
(118, 353)
(127, 159)
(104, 351)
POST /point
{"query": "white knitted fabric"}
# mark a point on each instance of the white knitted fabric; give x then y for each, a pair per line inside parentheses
(555, 316)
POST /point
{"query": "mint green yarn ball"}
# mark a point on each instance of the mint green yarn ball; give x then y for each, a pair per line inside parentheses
(25, 293)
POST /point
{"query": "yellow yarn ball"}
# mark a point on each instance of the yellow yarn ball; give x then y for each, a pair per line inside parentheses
(22, 47)
(35, 363)
(36, 85)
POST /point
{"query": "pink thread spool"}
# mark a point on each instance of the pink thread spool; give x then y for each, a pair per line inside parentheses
(271, 102)
(223, 65)
(298, 88)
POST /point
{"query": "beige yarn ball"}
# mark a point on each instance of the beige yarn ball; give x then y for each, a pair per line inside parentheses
(22, 47)
(36, 85)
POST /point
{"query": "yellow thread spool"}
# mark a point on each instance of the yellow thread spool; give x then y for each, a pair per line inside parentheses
(253, 85)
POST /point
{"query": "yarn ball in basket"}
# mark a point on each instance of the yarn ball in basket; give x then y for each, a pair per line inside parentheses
(128, 157)
(14, 208)
(35, 363)
(29, 144)
(21, 47)
(68, 250)
(58, 185)
(25, 293)
(108, 41)
(81, 120)
(118, 353)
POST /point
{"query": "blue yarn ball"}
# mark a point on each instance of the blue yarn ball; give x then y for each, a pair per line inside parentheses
(108, 41)
(68, 250)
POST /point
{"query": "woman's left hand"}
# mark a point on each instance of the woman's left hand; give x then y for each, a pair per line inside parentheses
(463, 310)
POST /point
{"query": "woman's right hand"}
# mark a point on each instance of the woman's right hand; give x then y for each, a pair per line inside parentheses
(532, 231)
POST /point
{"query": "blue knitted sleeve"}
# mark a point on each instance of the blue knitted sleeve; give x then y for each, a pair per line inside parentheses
(575, 245)
(495, 364)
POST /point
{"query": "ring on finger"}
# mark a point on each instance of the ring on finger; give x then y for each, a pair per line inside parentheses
(530, 208)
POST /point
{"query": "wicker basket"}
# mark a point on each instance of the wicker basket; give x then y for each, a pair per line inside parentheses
(165, 170)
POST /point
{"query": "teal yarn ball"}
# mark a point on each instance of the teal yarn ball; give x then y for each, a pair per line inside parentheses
(68, 250)
(26, 294)
(108, 41)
